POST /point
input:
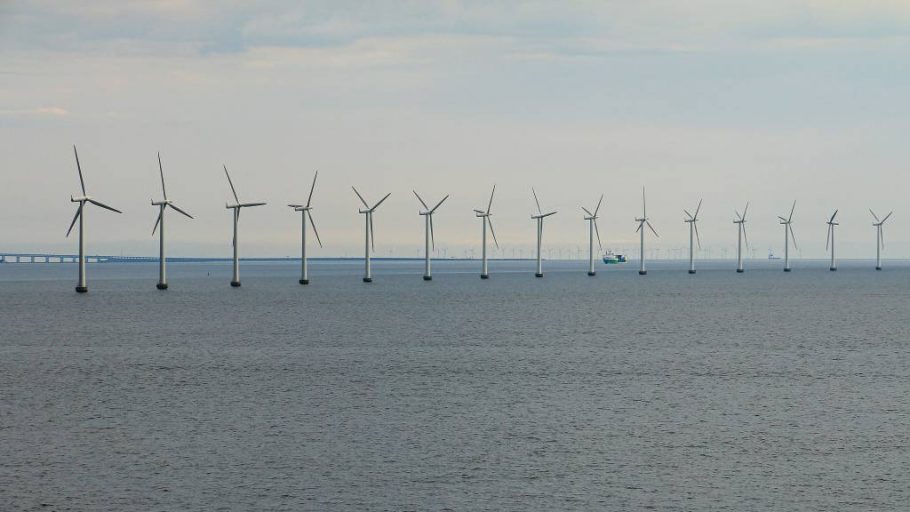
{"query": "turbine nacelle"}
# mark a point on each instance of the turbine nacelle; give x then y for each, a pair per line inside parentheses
(80, 199)
(542, 215)
(241, 205)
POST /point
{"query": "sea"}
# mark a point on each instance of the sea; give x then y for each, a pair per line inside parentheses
(674, 392)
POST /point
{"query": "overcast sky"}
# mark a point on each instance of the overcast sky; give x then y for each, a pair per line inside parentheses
(732, 101)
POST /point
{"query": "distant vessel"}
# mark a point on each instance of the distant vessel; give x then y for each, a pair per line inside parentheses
(771, 255)
(611, 258)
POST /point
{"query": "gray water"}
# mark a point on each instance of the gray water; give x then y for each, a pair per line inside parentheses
(719, 391)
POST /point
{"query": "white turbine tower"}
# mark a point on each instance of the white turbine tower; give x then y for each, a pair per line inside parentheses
(692, 220)
(235, 280)
(306, 212)
(592, 230)
(159, 225)
(740, 221)
(369, 243)
(81, 287)
(830, 240)
(879, 237)
(642, 221)
(485, 219)
(539, 218)
(788, 235)
(429, 236)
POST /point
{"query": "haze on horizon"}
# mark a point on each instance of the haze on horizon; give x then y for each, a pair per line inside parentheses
(731, 101)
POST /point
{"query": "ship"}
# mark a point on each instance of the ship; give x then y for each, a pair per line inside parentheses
(611, 258)
(771, 255)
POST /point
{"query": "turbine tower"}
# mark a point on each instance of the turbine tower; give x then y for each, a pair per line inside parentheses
(788, 234)
(159, 225)
(485, 219)
(235, 280)
(592, 230)
(539, 218)
(642, 221)
(369, 244)
(82, 287)
(692, 220)
(306, 212)
(429, 237)
(880, 240)
(830, 240)
(741, 225)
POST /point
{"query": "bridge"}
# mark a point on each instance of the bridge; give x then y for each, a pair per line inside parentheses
(28, 257)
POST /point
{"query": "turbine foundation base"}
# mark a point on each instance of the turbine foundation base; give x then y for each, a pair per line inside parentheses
(833, 269)
(427, 278)
(81, 289)
(691, 271)
(538, 274)
(304, 281)
(367, 279)
(878, 268)
(161, 286)
(592, 274)
(642, 272)
(235, 284)
(787, 269)
(484, 276)
(739, 271)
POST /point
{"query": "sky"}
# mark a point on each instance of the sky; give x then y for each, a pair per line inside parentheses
(729, 101)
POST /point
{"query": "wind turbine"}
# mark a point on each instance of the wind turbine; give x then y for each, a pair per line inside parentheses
(788, 234)
(642, 221)
(162, 205)
(539, 217)
(81, 287)
(430, 238)
(306, 211)
(880, 240)
(369, 245)
(830, 240)
(693, 229)
(485, 219)
(592, 230)
(741, 224)
(235, 281)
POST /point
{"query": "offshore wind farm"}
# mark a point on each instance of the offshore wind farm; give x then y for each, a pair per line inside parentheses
(647, 332)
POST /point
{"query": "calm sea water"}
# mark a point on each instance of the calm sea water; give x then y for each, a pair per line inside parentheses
(719, 391)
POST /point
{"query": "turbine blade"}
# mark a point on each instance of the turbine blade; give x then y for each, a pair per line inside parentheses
(644, 204)
(536, 200)
(587, 212)
(697, 209)
(828, 240)
(439, 204)
(782, 219)
(652, 229)
(174, 206)
(372, 235)
(793, 236)
(157, 221)
(881, 235)
(745, 235)
(746, 211)
(490, 222)
(886, 216)
(79, 168)
(161, 171)
(738, 216)
(697, 237)
(231, 183)
(432, 235)
(792, 209)
(640, 224)
(312, 188)
(597, 208)
(425, 207)
(687, 213)
(834, 215)
(597, 232)
(315, 231)
(362, 200)
(874, 215)
(75, 218)
(380, 201)
(99, 203)
(490, 204)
